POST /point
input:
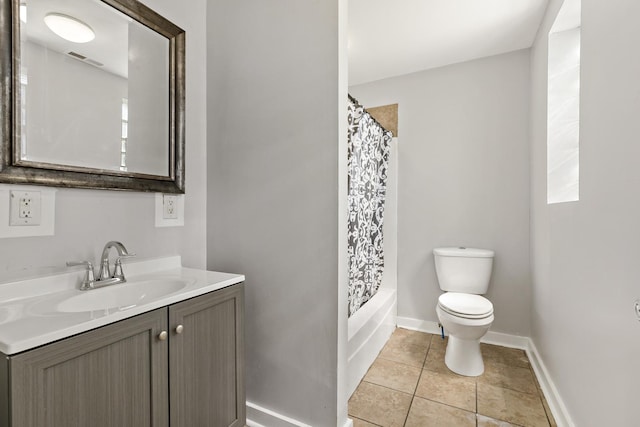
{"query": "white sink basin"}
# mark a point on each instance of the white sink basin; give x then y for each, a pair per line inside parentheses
(122, 296)
(38, 310)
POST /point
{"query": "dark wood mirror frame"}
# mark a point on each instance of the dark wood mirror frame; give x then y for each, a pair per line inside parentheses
(12, 172)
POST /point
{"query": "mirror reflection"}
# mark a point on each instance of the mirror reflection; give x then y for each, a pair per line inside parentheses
(94, 90)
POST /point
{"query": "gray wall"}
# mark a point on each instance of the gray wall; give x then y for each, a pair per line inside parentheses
(463, 178)
(148, 101)
(86, 220)
(273, 192)
(585, 254)
(73, 110)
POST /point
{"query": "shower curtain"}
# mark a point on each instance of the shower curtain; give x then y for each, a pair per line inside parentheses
(368, 159)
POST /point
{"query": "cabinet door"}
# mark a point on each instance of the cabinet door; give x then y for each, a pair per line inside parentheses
(207, 360)
(114, 376)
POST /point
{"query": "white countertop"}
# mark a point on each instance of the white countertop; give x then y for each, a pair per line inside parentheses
(29, 314)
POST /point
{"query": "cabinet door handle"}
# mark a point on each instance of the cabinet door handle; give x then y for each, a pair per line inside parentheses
(179, 329)
(162, 335)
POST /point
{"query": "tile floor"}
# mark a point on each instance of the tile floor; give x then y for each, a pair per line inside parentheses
(409, 385)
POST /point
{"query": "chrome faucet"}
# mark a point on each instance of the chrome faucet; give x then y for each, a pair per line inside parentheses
(104, 274)
(105, 277)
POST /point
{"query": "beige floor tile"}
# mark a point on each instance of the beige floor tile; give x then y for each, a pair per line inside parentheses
(406, 353)
(490, 422)
(512, 406)
(425, 413)
(438, 343)
(407, 336)
(506, 395)
(395, 375)
(511, 377)
(435, 361)
(357, 422)
(504, 355)
(406, 346)
(379, 405)
(451, 389)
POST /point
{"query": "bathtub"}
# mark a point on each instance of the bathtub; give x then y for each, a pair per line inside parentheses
(369, 328)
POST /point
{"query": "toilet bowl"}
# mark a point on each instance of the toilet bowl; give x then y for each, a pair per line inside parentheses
(464, 274)
(466, 324)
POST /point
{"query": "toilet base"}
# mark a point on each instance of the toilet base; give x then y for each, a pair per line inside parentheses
(464, 357)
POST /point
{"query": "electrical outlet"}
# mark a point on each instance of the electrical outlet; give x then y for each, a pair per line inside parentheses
(25, 208)
(169, 206)
(169, 210)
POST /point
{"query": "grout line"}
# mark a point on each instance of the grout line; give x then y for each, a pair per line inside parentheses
(445, 404)
(477, 409)
(402, 363)
(415, 389)
(365, 420)
(387, 387)
(408, 411)
(536, 393)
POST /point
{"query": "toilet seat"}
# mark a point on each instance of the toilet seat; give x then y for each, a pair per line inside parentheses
(468, 306)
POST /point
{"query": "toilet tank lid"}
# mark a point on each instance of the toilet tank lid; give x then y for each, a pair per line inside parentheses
(464, 252)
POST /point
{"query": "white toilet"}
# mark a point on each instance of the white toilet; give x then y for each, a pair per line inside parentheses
(464, 273)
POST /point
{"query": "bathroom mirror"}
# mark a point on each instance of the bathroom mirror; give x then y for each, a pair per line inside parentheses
(92, 95)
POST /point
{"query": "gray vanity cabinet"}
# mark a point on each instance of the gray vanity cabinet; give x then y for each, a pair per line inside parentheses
(130, 374)
(111, 376)
(206, 375)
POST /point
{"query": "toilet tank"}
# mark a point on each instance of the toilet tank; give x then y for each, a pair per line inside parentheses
(465, 270)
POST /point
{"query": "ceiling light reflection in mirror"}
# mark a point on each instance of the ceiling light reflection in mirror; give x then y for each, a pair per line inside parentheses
(69, 28)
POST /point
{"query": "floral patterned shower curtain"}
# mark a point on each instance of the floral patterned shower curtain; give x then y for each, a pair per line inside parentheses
(368, 159)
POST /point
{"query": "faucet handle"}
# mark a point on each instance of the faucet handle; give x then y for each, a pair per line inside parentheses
(117, 268)
(103, 273)
(75, 263)
(89, 276)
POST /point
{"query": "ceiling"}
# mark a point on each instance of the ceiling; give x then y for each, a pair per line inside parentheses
(110, 46)
(394, 37)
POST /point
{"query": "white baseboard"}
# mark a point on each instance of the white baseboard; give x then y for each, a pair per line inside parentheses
(257, 416)
(506, 340)
(557, 406)
(418, 325)
(497, 338)
(558, 409)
